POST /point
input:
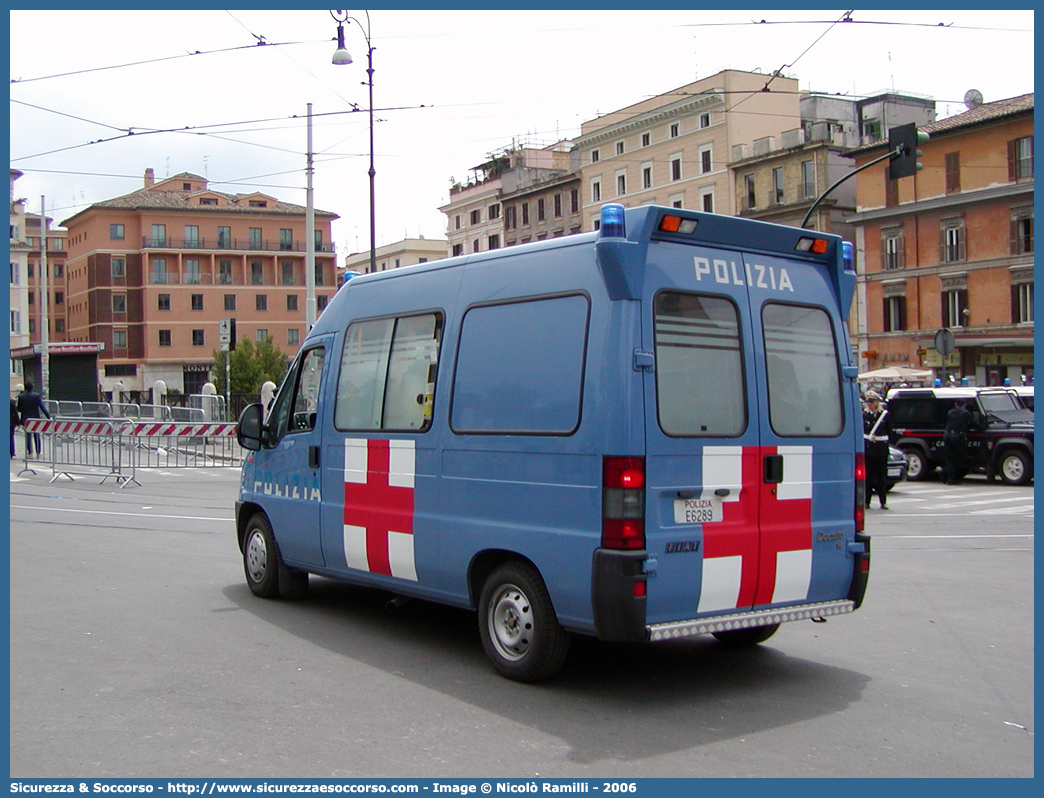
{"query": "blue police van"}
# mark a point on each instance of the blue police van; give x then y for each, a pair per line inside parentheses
(642, 433)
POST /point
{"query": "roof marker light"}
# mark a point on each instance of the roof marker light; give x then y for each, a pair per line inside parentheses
(676, 224)
(612, 225)
(848, 255)
(817, 246)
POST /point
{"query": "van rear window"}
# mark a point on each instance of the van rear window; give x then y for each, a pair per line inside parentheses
(801, 359)
(699, 366)
(520, 367)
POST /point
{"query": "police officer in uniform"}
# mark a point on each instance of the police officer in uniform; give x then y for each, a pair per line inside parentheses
(955, 442)
(876, 429)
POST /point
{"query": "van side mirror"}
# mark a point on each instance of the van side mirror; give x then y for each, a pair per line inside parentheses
(250, 429)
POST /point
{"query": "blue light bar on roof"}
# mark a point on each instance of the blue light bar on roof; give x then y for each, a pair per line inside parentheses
(612, 224)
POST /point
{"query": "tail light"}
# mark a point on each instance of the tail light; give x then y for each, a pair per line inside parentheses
(623, 503)
(860, 492)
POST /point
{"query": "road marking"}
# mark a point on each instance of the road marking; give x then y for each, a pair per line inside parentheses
(110, 512)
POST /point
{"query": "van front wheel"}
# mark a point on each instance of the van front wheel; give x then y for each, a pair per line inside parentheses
(517, 624)
(266, 574)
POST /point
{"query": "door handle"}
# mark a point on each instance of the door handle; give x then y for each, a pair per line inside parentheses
(313, 456)
(773, 468)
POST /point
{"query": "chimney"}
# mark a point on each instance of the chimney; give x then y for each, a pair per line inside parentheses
(150, 177)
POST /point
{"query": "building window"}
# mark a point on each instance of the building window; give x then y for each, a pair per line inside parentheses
(647, 176)
(893, 253)
(192, 272)
(557, 205)
(595, 156)
(197, 302)
(705, 120)
(748, 185)
(286, 239)
(164, 337)
(59, 297)
(525, 218)
(493, 211)
(192, 235)
(118, 267)
(261, 302)
(494, 242)
(321, 302)
(15, 274)
(894, 313)
(291, 302)
(224, 237)
(954, 303)
(675, 130)
(541, 213)
(953, 172)
(646, 139)
(293, 336)
(458, 249)
(952, 244)
(619, 148)
(230, 302)
(257, 273)
(208, 201)
(119, 339)
(159, 235)
(456, 222)
(254, 238)
(574, 201)
(320, 279)
(117, 232)
(777, 185)
(621, 184)
(119, 303)
(198, 338)
(159, 270)
(59, 325)
(257, 203)
(1022, 230)
(225, 272)
(510, 217)
(476, 216)
(1020, 158)
(596, 191)
(808, 180)
(286, 272)
(676, 168)
(707, 200)
(16, 322)
(1022, 303)
(706, 161)
(163, 302)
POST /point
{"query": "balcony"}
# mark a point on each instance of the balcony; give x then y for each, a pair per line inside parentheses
(232, 245)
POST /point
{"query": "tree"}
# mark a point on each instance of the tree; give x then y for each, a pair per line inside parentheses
(252, 366)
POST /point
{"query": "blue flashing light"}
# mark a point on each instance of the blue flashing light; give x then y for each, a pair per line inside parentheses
(938, 382)
(964, 382)
(612, 225)
(1007, 382)
(848, 255)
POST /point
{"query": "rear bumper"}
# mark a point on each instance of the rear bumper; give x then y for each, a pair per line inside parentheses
(745, 620)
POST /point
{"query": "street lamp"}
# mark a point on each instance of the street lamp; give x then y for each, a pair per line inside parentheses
(340, 57)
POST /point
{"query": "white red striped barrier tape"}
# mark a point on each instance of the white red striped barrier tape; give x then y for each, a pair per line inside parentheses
(142, 430)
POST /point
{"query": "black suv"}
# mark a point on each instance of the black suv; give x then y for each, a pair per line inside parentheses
(999, 443)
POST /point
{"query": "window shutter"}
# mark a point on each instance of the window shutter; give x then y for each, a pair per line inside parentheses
(1015, 304)
(902, 313)
(1012, 160)
(942, 244)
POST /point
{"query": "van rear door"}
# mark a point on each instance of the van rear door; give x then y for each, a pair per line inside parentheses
(749, 461)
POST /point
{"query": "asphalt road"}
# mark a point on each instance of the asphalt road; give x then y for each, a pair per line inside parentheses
(138, 651)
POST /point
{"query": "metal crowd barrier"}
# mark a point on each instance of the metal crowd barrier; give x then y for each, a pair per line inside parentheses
(117, 448)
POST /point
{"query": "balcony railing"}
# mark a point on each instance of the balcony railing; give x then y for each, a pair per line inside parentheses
(232, 244)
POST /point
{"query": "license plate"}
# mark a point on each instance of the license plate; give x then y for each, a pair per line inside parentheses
(895, 472)
(697, 511)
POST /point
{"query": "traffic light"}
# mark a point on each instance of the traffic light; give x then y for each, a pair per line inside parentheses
(903, 142)
(231, 335)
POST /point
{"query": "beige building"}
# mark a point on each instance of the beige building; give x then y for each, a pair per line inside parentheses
(151, 274)
(408, 252)
(674, 149)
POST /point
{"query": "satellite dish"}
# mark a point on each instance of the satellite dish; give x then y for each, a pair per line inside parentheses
(972, 99)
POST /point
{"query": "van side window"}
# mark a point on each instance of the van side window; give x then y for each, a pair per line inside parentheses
(699, 366)
(802, 365)
(387, 379)
(520, 367)
(295, 406)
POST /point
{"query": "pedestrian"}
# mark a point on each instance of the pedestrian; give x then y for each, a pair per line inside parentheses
(16, 420)
(955, 442)
(30, 405)
(876, 429)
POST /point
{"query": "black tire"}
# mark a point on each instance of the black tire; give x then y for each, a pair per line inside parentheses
(744, 638)
(266, 574)
(517, 624)
(918, 466)
(1015, 467)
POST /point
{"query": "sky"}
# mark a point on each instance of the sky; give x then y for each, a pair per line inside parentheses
(99, 96)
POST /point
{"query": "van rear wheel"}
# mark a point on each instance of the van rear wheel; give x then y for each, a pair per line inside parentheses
(742, 638)
(517, 624)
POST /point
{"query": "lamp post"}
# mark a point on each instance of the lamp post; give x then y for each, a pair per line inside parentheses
(341, 56)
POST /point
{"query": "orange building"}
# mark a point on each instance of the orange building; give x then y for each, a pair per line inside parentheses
(951, 247)
(151, 274)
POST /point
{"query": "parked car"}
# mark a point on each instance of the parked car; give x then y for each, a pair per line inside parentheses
(897, 466)
(999, 444)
